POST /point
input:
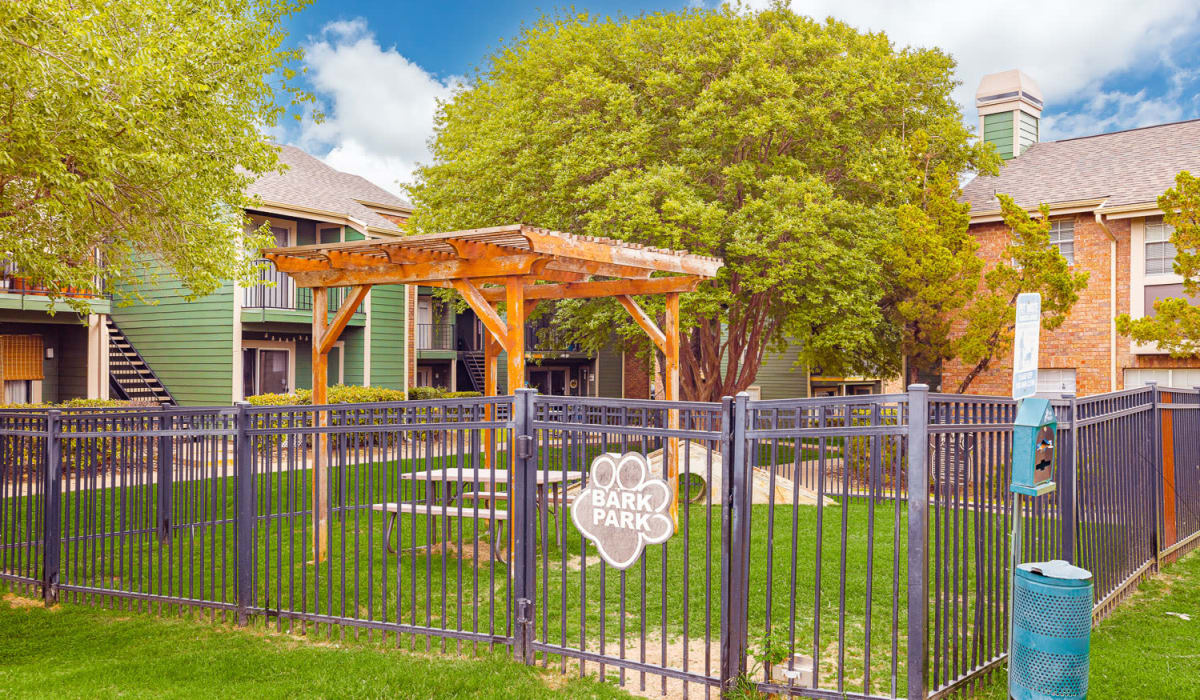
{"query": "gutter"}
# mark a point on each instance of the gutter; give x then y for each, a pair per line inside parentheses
(1112, 300)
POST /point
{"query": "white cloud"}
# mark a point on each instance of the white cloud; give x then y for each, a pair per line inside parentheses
(379, 106)
(1068, 46)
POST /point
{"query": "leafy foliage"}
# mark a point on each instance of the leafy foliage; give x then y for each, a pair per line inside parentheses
(1029, 264)
(784, 145)
(128, 133)
(933, 266)
(1175, 325)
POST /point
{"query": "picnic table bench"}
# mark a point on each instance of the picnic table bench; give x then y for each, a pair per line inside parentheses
(483, 483)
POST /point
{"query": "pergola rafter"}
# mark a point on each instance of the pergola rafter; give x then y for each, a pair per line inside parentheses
(519, 265)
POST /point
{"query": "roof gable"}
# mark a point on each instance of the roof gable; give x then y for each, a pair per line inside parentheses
(309, 183)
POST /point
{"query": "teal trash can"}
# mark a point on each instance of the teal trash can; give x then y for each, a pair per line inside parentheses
(1052, 626)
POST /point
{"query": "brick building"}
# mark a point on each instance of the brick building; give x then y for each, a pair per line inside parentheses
(1102, 191)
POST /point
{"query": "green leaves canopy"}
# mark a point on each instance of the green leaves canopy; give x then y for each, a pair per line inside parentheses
(128, 132)
(781, 144)
(1175, 325)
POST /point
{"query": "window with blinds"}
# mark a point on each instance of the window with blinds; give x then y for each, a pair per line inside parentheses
(1062, 236)
(21, 357)
(1160, 251)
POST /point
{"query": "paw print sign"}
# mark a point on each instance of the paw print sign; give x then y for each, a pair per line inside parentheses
(623, 508)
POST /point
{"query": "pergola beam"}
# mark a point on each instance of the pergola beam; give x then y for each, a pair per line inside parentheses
(491, 320)
(643, 319)
(330, 337)
(401, 255)
(605, 288)
(417, 273)
(292, 264)
(341, 260)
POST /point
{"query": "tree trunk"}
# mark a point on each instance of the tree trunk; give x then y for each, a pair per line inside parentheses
(713, 367)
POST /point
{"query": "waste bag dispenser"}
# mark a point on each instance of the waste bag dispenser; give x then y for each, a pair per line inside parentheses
(1051, 631)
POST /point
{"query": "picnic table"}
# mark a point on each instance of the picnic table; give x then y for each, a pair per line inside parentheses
(478, 485)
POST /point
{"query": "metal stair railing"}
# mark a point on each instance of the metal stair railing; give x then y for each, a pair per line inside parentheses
(124, 372)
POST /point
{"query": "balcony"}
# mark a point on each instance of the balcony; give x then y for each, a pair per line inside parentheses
(11, 282)
(435, 336)
(284, 295)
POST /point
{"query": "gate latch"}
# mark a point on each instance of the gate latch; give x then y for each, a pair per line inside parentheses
(524, 446)
(524, 611)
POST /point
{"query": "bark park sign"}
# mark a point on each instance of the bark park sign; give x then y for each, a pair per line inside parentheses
(623, 508)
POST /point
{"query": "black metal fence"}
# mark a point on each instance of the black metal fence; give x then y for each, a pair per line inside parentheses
(809, 559)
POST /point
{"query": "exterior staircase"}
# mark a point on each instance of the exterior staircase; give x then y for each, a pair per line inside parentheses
(473, 359)
(129, 377)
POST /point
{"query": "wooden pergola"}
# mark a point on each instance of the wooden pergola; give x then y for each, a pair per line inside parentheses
(517, 264)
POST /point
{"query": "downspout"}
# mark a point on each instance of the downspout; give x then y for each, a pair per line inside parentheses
(1112, 301)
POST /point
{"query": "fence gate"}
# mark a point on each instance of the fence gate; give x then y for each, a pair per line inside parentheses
(657, 625)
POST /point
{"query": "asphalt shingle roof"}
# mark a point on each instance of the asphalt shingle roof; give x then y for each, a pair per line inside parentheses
(308, 182)
(1124, 167)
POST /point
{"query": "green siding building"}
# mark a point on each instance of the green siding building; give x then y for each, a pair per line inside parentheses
(241, 341)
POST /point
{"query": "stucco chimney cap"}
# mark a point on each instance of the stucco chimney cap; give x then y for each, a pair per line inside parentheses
(1008, 86)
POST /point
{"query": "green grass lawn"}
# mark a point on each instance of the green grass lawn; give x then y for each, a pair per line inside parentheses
(1140, 650)
(79, 651)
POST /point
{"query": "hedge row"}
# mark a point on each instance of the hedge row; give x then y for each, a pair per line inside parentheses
(342, 393)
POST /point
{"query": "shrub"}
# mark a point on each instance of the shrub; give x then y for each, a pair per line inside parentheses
(422, 393)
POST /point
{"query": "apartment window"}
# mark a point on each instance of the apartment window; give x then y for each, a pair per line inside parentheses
(1062, 236)
(18, 391)
(1056, 381)
(1160, 251)
(265, 371)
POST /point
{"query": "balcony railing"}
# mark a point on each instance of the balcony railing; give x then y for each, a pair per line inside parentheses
(435, 336)
(534, 342)
(285, 295)
(11, 282)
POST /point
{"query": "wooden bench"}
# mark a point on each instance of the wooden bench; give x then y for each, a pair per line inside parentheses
(483, 496)
(488, 515)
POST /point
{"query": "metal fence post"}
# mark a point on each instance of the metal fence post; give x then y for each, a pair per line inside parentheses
(165, 475)
(244, 523)
(52, 502)
(735, 530)
(918, 541)
(1067, 510)
(1156, 477)
(524, 555)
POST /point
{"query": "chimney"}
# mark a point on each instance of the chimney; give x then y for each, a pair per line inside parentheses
(1010, 109)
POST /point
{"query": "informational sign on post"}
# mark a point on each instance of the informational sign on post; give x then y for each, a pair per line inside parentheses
(1025, 345)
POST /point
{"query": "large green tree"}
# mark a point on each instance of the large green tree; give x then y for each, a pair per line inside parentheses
(1175, 324)
(1030, 263)
(782, 144)
(128, 133)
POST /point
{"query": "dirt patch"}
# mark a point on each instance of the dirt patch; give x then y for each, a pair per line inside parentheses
(19, 602)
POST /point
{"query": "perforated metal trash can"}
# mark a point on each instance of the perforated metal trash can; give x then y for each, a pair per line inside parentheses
(1052, 625)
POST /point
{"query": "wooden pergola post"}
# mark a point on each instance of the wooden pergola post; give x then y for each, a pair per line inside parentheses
(671, 393)
(324, 335)
(515, 299)
(320, 382)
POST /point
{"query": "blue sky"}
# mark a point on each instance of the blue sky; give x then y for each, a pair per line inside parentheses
(378, 68)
